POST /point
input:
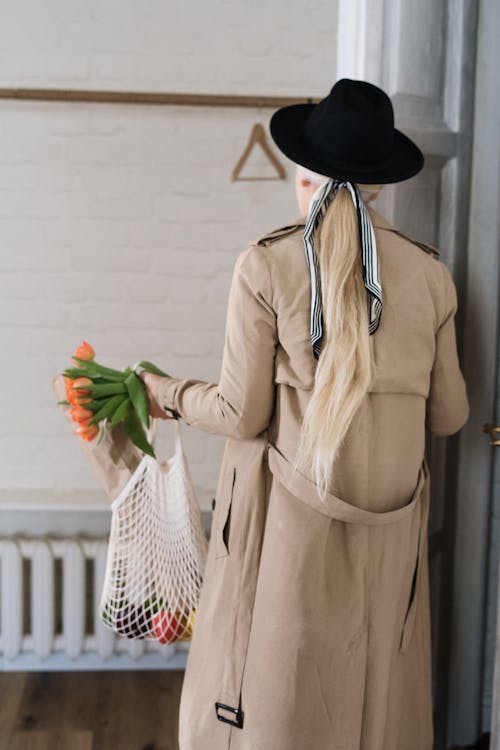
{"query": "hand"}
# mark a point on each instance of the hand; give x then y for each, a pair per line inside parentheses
(152, 382)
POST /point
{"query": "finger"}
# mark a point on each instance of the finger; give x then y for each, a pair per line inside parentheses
(154, 408)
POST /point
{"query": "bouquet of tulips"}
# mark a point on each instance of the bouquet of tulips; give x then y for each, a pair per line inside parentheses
(101, 397)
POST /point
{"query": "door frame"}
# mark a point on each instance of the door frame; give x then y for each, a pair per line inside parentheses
(477, 456)
(369, 48)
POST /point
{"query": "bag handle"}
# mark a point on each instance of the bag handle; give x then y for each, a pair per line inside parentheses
(152, 434)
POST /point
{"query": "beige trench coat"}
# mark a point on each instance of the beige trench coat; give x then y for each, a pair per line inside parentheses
(311, 632)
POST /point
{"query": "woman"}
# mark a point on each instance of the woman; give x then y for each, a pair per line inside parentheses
(312, 629)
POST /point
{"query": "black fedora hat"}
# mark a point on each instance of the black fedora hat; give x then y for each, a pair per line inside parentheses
(349, 134)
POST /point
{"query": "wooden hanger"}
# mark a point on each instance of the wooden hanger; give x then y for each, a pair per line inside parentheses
(258, 136)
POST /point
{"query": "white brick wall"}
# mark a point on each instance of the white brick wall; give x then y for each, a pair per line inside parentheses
(119, 224)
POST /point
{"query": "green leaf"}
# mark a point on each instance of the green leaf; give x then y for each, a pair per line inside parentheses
(150, 367)
(66, 403)
(75, 372)
(97, 403)
(80, 372)
(103, 389)
(97, 369)
(138, 396)
(122, 411)
(135, 432)
(109, 407)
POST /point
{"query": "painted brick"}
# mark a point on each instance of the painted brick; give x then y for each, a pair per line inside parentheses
(119, 223)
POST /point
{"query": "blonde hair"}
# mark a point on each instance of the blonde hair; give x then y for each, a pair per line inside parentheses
(345, 366)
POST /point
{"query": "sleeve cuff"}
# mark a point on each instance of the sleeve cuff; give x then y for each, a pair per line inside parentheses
(165, 395)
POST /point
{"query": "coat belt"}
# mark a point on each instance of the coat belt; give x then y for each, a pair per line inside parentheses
(334, 507)
(228, 708)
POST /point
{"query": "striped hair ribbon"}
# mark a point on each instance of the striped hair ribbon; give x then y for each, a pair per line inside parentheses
(371, 275)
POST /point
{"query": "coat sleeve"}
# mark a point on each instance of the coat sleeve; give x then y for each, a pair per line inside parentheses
(242, 403)
(447, 406)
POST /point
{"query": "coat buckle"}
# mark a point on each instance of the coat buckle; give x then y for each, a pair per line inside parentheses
(236, 711)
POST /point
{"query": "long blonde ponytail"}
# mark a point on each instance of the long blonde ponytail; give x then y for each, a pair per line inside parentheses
(345, 367)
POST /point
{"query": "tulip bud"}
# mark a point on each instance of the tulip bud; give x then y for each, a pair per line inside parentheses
(67, 385)
(80, 414)
(80, 400)
(84, 351)
(78, 396)
(89, 432)
(75, 385)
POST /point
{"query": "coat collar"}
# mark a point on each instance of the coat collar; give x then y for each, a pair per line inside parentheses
(378, 221)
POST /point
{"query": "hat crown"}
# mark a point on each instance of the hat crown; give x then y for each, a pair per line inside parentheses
(353, 124)
(348, 135)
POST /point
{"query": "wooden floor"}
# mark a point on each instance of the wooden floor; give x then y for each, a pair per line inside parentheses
(90, 710)
(95, 711)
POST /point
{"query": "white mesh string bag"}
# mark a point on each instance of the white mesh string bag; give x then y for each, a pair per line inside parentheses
(157, 551)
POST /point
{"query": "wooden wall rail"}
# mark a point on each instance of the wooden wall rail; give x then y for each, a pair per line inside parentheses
(144, 97)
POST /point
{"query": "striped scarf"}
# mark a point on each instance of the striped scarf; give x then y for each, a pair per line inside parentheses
(371, 277)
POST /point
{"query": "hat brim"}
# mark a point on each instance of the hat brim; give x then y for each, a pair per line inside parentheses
(286, 127)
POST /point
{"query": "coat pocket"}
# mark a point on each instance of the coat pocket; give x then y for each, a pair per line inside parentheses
(412, 598)
(223, 524)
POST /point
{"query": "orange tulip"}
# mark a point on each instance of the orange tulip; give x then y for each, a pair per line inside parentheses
(73, 398)
(79, 396)
(87, 433)
(84, 351)
(80, 400)
(80, 414)
(78, 382)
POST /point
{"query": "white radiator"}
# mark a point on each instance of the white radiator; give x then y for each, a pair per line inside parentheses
(49, 594)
